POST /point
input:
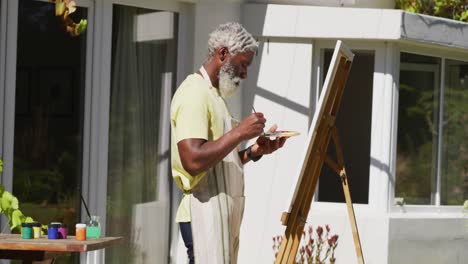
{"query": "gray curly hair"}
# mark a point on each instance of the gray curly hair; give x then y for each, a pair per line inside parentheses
(234, 37)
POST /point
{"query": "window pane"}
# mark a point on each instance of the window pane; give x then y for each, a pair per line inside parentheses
(418, 114)
(454, 180)
(50, 85)
(354, 127)
(143, 58)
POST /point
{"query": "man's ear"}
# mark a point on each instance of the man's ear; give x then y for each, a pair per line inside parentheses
(223, 53)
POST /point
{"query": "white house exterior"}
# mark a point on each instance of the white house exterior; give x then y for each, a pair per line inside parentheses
(393, 48)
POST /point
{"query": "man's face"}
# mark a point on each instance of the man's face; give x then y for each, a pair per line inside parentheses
(233, 71)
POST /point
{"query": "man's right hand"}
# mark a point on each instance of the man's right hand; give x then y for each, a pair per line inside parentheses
(252, 126)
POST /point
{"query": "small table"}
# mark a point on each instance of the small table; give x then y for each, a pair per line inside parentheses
(12, 246)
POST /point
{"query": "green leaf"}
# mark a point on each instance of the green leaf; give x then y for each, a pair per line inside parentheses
(411, 9)
(7, 196)
(17, 218)
(6, 200)
(464, 16)
(82, 25)
(14, 203)
(29, 220)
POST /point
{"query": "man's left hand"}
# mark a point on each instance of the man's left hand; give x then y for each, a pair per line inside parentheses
(265, 145)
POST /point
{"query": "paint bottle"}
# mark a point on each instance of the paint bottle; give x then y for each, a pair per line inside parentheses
(52, 232)
(93, 227)
(26, 231)
(62, 231)
(36, 228)
(80, 231)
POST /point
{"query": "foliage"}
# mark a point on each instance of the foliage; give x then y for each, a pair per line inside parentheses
(9, 206)
(453, 9)
(314, 249)
(63, 9)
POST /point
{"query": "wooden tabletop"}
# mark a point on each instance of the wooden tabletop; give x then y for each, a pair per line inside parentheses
(15, 242)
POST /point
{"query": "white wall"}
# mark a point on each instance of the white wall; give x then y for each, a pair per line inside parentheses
(344, 3)
(323, 22)
(280, 87)
(428, 240)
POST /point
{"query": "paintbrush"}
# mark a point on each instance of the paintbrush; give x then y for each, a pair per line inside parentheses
(263, 133)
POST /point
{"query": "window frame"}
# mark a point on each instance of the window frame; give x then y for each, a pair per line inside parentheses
(398, 211)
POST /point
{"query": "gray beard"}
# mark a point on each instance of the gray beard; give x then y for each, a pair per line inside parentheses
(229, 83)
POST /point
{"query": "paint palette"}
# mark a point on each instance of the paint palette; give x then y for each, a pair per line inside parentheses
(281, 133)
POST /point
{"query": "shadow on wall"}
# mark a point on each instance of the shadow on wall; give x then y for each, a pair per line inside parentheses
(280, 86)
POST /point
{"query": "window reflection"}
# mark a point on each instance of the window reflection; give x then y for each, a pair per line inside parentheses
(418, 114)
(454, 178)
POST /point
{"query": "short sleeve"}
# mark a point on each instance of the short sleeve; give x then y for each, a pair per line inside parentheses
(191, 115)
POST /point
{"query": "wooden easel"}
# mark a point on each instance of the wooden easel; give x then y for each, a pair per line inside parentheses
(325, 130)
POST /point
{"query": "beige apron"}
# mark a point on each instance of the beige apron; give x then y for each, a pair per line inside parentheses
(217, 208)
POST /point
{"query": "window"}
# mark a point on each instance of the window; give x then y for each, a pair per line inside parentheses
(49, 110)
(354, 127)
(432, 124)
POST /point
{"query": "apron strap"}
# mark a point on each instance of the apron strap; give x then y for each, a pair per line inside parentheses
(205, 75)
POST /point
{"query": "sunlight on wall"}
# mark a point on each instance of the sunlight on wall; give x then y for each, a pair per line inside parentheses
(279, 85)
(282, 70)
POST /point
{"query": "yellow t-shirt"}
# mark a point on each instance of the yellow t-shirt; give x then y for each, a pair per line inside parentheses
(197, 111)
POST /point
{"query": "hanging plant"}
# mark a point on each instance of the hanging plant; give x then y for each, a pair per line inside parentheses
(63, 9)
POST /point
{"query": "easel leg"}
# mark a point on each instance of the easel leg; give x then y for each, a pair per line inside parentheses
(352, 218)
(347, 194)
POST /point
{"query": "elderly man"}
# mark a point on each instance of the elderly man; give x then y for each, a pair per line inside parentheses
(206, 161)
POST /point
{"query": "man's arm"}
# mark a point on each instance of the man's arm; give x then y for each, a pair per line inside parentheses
(198, 155)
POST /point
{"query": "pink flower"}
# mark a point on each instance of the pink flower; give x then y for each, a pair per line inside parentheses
(328, 228)
(319, 231)
(308, 251)
(332, 240)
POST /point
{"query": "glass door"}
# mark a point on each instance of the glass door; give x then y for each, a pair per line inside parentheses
(143, 73)
(51, 73)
